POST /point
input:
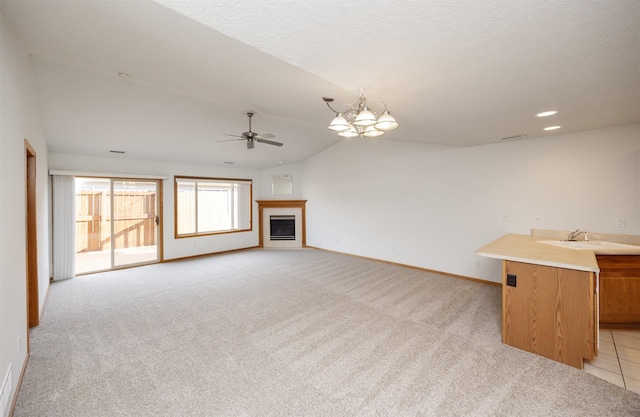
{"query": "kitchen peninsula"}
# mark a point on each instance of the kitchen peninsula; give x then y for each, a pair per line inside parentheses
(550, 294)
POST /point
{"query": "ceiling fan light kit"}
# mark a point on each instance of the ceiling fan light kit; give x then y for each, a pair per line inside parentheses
(360, 120)
(251, 137)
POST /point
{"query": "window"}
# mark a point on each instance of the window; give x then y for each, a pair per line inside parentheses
(212, 205)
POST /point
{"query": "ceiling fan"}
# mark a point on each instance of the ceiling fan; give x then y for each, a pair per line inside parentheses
(252, 137)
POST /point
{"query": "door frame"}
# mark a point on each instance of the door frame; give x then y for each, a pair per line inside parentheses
(33, 301)
(159, 220)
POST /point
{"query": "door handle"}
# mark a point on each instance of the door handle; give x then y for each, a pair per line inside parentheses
(157, 220)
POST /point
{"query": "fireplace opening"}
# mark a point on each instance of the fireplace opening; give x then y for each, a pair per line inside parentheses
(283, 227)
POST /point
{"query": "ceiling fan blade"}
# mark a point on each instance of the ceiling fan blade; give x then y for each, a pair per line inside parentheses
(265, 136)
(252, 137)
(269, 142)
(229, 140)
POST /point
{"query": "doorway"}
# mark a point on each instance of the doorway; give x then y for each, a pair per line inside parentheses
(117, 223)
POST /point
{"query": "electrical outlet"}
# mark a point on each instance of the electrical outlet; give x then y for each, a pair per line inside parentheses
(477, 263)
(505, 217)
(620, 222)
(536, 219)
(511, 280)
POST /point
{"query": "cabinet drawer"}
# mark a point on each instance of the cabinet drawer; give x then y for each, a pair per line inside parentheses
(620, 273)
(618, 262)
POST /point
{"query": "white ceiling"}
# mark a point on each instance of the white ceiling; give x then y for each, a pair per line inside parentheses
(458, 73)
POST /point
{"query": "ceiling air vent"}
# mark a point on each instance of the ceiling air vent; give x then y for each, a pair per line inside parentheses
(514, 137)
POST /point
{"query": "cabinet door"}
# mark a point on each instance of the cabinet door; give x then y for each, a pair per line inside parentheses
(619, 298)
(550, 312)
(619, 291)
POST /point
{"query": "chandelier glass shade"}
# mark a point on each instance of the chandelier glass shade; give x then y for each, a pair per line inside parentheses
(360, 120)
(339, 123)
(386, 122)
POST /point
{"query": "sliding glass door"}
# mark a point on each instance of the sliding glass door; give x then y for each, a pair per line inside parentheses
(117, 223)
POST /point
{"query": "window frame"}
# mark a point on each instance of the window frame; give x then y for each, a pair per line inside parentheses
(195, 179)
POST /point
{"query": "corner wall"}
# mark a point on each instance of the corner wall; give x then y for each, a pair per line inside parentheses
(19, 120)
(433, 206)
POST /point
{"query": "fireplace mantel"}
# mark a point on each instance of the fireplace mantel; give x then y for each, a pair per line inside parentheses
(298, 204)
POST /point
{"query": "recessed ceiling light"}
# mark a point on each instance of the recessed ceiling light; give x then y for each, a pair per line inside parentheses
(124, 75)
(546, 113)
(552, 128)
(228, 162)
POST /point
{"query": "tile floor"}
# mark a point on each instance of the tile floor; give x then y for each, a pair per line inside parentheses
(618, 360)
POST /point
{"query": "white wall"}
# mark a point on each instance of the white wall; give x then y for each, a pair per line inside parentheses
(19, 120)
(173, 248)
(433, 206)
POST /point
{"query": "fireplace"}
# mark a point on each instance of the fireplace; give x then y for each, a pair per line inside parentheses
(281, 223)
(282, 227)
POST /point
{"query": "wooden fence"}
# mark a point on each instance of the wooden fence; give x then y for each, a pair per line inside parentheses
(133, 221)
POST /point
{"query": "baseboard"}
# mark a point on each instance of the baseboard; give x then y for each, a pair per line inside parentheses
(165, 260)
(18, 385)
(482, 281)
(448, 274)
(14, 399)
(44, 301)
(208, 254)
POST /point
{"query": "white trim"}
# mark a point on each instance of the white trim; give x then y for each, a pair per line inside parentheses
(107, 175)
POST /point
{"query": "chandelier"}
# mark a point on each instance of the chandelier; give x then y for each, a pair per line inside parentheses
(360, 120)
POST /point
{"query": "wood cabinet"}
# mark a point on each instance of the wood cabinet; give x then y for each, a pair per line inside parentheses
(550, 311)
(619, 291)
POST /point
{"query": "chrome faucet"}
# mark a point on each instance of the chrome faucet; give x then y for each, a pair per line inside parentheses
(573, 235)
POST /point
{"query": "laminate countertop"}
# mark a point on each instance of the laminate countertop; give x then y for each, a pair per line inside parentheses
(529, 249)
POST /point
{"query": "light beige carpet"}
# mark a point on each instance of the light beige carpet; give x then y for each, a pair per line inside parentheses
(291, 333)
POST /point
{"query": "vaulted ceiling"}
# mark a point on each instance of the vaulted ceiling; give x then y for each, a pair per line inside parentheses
(458, 73)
